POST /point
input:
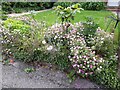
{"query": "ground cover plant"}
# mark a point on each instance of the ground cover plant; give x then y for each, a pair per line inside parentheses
(83, 47)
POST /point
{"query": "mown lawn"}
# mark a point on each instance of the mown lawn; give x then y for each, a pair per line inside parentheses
(50, 16)
(100, 17)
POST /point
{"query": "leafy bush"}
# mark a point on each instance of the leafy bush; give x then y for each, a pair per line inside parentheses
(89, 29)
(21, 38)
(64, 4)
(84, 5)
(104, 43)
(108, 75)
(93, 5)
(18, 7)
(78, 52)
(3, 15)
(86, 61)
(6, 6)
(17, 26)
(83, 59)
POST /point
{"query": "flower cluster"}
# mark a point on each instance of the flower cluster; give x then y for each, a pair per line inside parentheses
(103, 43)
(83, 59)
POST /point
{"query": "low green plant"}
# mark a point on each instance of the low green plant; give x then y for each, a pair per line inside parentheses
(29, 70)
(17, 26)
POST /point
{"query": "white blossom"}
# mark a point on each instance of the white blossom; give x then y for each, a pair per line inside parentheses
(50, 48)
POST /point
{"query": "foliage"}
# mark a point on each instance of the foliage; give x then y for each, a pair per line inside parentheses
(29, 70)
(6, 6)
(56, 36)
(108, 75)
(119, 33)
(93, 5)
(17, 26)
(88, 30)
(108, 78)
(90, 27)
(22, 38)
(82, 46)
(84, 5)
(78, 52)
(64, 4)
(68, 13)
(3, 15)
(86, 61)
(104, 43)
(18, 7)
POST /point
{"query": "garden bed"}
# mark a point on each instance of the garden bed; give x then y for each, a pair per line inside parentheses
(80, 46)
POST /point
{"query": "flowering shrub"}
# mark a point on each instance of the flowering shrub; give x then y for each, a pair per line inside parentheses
(104, 43)
(21, 39)
(93, 58)
(82, 58)
(85, 61)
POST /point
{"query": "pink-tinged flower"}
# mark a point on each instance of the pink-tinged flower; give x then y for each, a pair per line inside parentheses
(74, 65)
(91, 66)
(84, 63)
(80, 64)
(91, 73)
(73, 31)
(82, 71)
(50, 48)
(84, 56)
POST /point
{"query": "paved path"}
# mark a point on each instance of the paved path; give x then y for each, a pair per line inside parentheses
(13, 76)
(25, 13)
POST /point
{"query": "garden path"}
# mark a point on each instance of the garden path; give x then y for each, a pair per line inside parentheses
(25, 13)
(14, 76)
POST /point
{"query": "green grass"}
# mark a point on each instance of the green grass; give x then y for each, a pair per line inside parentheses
(50, 16)
(100, 17)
